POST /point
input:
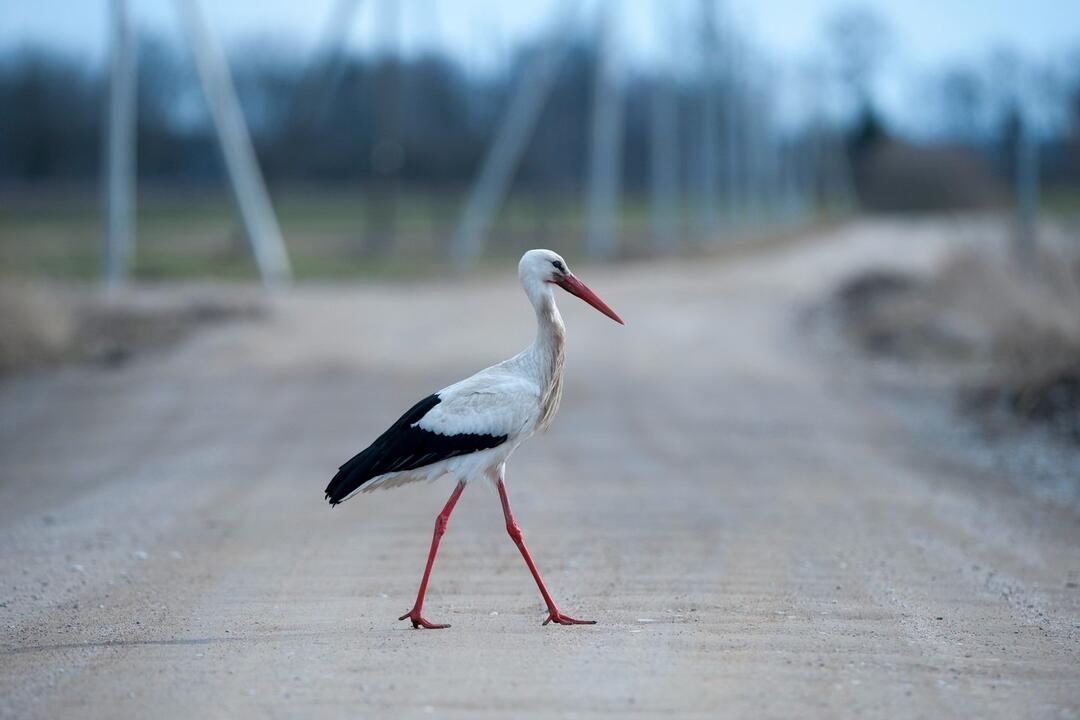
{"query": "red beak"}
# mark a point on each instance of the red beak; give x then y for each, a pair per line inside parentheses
(575, 287)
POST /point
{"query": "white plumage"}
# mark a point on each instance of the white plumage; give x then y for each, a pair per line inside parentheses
(495, 401)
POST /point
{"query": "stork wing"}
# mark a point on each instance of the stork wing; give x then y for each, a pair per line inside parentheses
(492, 402)
(475, 414)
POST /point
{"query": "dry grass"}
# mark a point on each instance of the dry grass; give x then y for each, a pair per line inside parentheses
(37, 325)
(43, 324)
(1010, 334)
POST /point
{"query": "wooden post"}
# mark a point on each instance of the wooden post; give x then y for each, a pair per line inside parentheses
(1027, 193)
(707, 152)
(606, 144)
(256, 209)
(120, 149)
(663, 166)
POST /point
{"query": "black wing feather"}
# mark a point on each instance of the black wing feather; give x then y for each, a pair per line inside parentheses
(404, 447)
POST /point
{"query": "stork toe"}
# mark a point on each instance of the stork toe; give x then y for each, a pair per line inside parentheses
(557, 617)
(418, 621)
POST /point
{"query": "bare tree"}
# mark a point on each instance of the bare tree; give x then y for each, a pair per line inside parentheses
(961, 103)
(860, 41)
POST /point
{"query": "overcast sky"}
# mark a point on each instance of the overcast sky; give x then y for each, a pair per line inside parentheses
(927, 33)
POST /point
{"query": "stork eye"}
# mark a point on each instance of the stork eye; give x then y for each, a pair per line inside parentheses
(558, 265)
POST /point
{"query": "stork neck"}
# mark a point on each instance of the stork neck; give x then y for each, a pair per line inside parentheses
(546, 354)
(550, 331)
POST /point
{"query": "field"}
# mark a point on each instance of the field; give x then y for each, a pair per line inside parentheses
(331, 234)
(761, 525)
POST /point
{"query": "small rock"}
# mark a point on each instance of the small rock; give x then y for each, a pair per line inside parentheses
(140, 555)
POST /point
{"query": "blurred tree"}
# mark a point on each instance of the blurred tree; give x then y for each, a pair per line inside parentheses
(1074, 134)
(435, 107)
(320, 123)
(961, 104)
(1009, 136)
(171, 122)
(867, 132)
(560, 145)
(1002, 83)
(859, 40)
(50, 117)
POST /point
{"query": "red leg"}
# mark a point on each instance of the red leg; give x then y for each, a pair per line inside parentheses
(515, 533)
(440, 528)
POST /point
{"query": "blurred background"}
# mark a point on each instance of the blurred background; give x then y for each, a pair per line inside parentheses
(831, 465)
(344, 138)
(341, 140)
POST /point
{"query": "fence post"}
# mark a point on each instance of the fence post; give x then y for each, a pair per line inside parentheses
(606, 144)
(1027, 193)
(256, 210)
(120, 149)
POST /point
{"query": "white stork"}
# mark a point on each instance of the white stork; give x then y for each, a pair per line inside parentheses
(469, 429)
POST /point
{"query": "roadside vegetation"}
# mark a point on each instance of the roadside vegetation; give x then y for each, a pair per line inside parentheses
(1007, 332)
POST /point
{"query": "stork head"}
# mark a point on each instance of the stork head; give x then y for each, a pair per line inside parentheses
(541, 268)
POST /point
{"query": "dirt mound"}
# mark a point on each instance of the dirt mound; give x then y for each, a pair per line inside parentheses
(47, 324)
(887, 313)
(1010, 336)
(37, 326)
(1052, 400)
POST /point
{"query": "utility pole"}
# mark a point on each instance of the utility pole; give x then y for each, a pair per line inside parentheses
(707, 152)
(663, 165)
(256, 210)
(1027, 191)
(387, 150)
(606, 144)
(493, 182)
(120, 149)
(734, 150)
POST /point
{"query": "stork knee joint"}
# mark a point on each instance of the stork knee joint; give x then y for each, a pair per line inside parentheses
(514, 532)
(440, 524)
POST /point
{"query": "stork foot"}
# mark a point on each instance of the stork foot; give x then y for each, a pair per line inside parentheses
(418, 621)
(557, 617)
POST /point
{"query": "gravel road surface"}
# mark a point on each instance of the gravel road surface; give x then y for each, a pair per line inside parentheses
(755, 527)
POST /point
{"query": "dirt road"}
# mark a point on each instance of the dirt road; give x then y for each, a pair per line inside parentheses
(756, 530)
